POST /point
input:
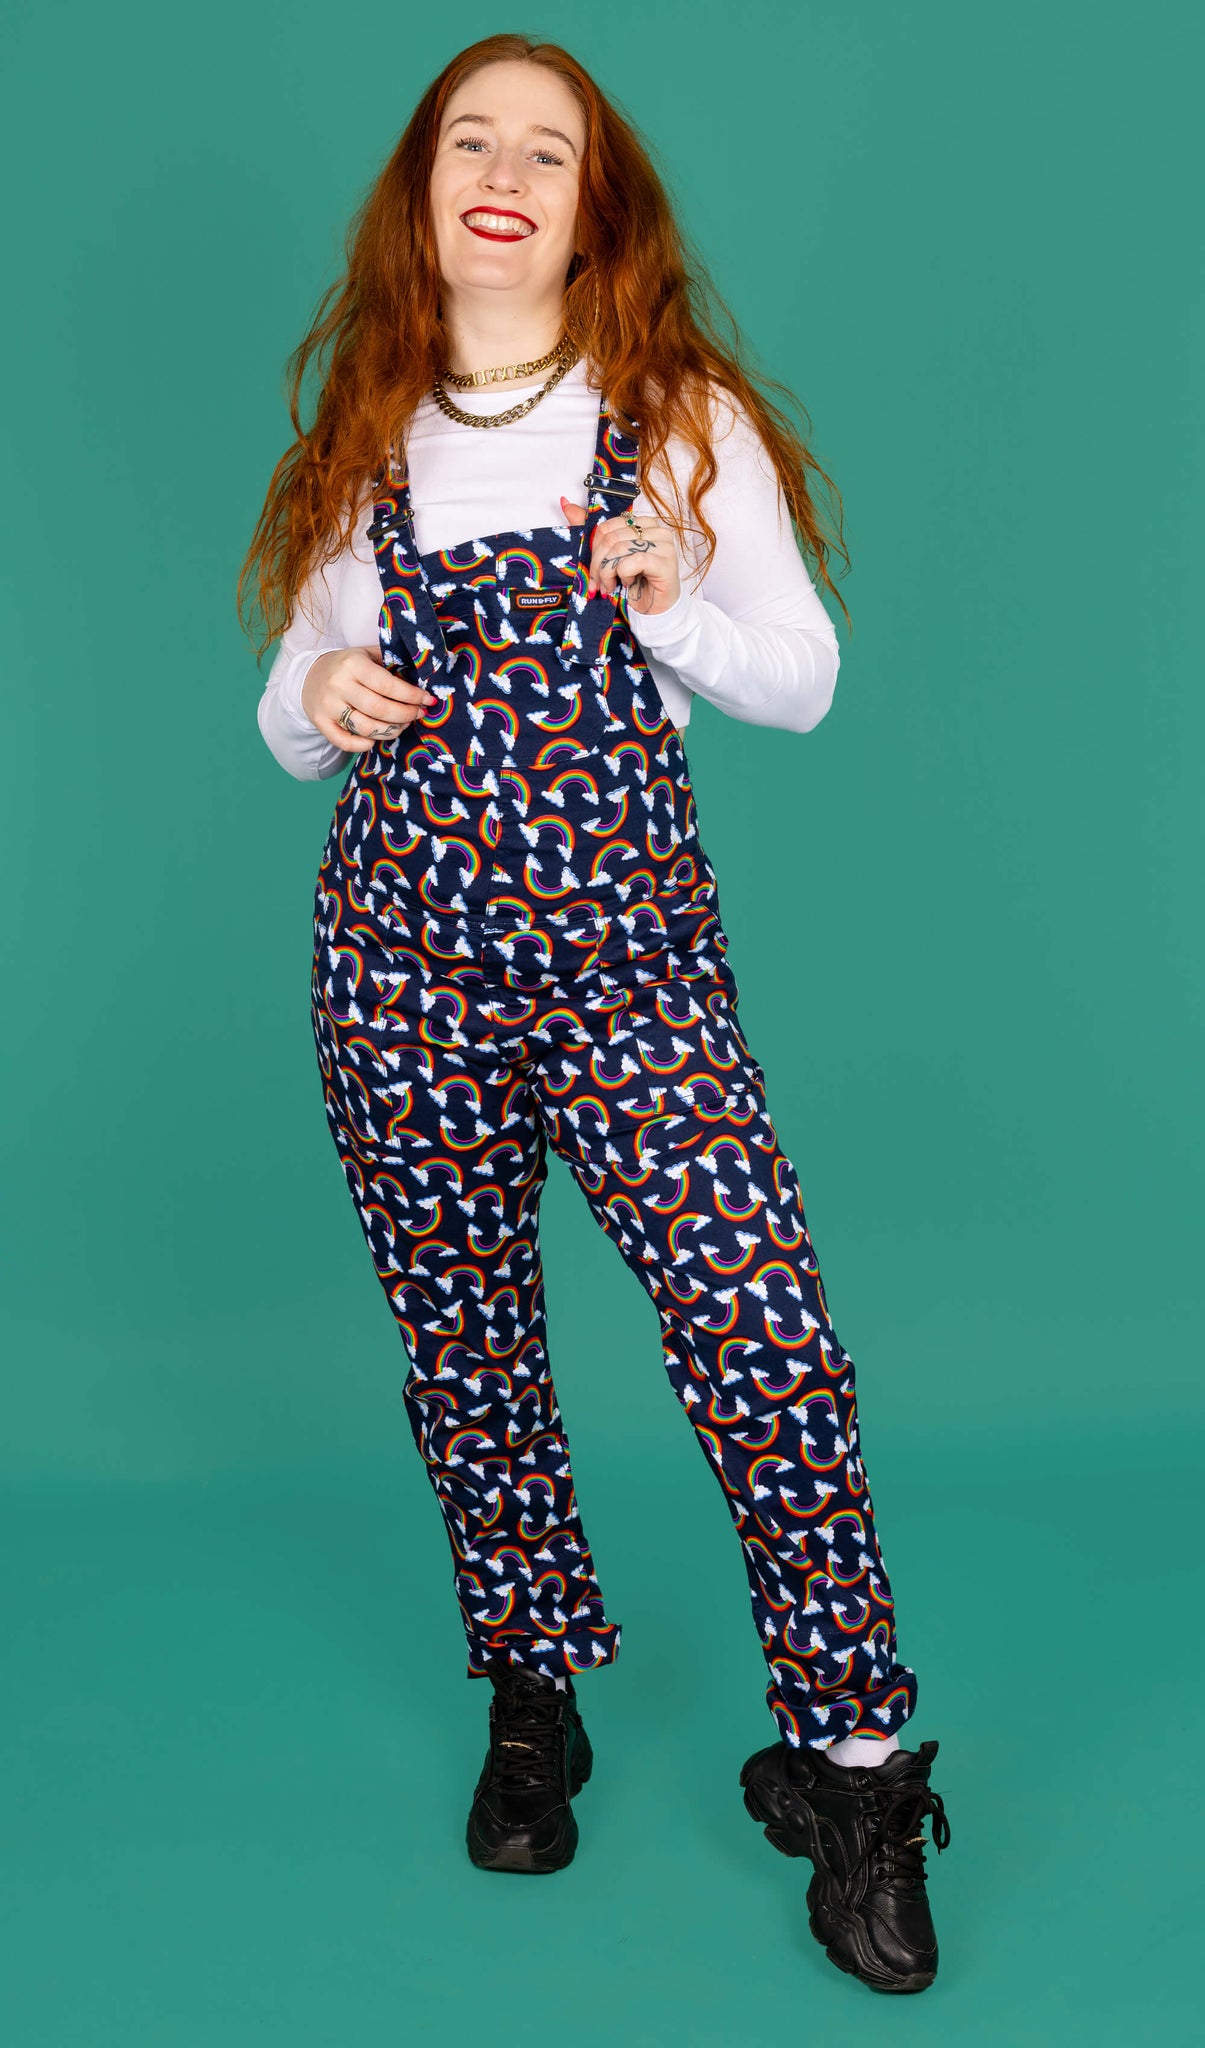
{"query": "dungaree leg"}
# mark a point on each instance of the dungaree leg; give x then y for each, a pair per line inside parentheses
(707, 1211)
(444, 1156)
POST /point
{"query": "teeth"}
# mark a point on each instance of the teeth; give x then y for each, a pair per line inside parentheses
(498, 223)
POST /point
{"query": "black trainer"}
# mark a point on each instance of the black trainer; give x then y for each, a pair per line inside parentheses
(539, 1757)
(863, 1830)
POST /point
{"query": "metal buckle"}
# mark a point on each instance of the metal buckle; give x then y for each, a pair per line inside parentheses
(610, 488)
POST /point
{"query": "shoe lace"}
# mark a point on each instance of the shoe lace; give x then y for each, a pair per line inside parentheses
(526, 1733)
(896, 1849)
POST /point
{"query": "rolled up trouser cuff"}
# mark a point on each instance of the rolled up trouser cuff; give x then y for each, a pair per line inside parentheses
(816, 1720)
(563, 1656)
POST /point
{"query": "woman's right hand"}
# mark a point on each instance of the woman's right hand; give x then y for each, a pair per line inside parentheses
(382, 703)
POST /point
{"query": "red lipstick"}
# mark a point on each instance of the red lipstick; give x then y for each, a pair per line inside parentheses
(499, 213)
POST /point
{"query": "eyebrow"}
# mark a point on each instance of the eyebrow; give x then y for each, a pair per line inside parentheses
(487, 121)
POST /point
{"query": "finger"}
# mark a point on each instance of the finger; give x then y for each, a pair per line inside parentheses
(636, 543)
(619, 558)
(384, 710)
(372, 714)
(385, 682)
(367, 730)
(350, 742)
(606, 540)
(399, 691)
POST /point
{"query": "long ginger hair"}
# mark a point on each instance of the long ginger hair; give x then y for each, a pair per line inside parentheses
(654, 332)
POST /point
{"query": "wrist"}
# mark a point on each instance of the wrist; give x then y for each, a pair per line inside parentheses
(668, 616)
(662, 603)
(311, 676)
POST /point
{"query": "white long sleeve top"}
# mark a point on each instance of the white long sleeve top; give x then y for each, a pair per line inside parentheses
(751, 636)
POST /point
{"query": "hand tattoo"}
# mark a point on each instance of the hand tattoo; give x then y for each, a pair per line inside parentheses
(636, 547)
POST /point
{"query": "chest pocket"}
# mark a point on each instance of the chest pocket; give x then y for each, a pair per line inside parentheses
(516, 701)
(536, 615)
(523, 607)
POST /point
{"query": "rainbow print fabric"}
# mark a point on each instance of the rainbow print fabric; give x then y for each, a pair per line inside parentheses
(517, 947)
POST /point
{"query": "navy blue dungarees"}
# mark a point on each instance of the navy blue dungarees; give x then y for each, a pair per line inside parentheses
(517, 944)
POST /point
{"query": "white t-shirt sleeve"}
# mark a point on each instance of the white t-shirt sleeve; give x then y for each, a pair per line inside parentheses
(752, 637)
(313, 629)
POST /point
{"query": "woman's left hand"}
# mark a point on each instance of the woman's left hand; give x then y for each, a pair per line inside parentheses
(642, 556)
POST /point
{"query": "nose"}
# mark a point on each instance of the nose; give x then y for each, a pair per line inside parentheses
(504, 173)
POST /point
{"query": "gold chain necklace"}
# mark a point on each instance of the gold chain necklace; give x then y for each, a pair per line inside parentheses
(504, 374)
(569, 353)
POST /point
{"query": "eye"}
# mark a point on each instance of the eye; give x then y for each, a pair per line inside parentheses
(478, 142)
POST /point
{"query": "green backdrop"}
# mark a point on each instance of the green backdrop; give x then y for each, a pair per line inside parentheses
(965, 918)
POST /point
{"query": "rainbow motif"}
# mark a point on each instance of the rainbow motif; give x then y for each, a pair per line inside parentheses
(469, 555)
(495, 717)
(510, 560)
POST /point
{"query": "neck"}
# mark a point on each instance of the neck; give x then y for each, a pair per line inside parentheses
(487, 329)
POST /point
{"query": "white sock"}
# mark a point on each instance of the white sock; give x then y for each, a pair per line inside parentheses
(855, 1752)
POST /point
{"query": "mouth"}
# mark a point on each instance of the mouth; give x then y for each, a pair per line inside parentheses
(498, 227)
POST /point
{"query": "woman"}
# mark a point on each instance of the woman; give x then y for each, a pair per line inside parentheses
(527, 434)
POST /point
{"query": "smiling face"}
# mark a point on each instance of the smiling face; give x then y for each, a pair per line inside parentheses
(504, 182)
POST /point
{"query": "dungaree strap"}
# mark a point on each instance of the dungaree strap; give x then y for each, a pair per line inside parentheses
(407, 602)
(610, 488)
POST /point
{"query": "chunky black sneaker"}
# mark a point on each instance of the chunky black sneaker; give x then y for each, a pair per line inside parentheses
(863, 1830)
(539, 1757)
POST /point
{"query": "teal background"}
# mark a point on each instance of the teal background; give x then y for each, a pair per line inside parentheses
(965, 918)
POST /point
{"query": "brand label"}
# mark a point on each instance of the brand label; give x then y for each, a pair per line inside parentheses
(526, 600)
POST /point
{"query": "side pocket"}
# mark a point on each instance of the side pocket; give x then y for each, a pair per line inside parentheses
(667, 1058)
(662, 942)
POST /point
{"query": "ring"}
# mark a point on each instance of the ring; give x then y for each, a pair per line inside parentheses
(344, 719)
(634, 523)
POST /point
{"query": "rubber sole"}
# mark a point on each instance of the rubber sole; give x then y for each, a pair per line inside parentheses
(517, 1858)
(788, 1829)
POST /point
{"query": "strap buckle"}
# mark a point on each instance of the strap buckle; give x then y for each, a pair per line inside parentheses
(611, 487)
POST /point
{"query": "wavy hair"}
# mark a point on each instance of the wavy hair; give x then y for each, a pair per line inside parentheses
(655, 334)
